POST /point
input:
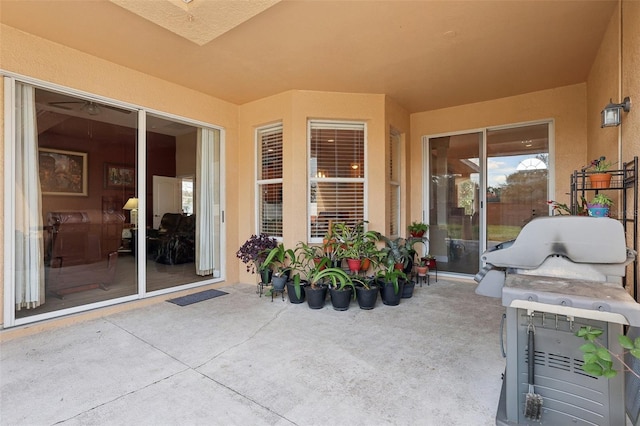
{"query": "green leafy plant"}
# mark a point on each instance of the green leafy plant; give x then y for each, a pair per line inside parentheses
(598, 360)
(601, 199)
(254, 251)
(560, 209)
(599, 165)
(396, 251)
(417, 228)
(280, 259)
(391, 275)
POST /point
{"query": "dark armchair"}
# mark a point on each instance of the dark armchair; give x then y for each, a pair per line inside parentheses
(173, 243)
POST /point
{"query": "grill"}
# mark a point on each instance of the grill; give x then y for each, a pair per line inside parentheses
(560, 274)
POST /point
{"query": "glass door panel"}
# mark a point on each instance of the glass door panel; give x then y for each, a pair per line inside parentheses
(454, 176)
(79, 164)
(182, 204)
(517, 179)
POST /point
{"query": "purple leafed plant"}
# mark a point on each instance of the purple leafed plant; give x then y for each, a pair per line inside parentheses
(254, 251)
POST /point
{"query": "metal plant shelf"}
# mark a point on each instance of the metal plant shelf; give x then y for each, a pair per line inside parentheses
(624, 180)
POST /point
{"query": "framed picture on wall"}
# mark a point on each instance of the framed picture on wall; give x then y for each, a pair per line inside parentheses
(62, 172)
(117, 176)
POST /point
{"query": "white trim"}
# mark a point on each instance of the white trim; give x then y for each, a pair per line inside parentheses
(10, 80)
(9, 197)
(269, 128)
(550, 122)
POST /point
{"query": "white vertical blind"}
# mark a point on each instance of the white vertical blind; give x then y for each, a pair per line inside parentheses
(269, 181)
(336, 175)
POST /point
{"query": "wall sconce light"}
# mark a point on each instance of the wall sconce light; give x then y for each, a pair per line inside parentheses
(611, 113)
(132, 204)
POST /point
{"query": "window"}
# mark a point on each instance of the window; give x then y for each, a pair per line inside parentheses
(336, 175)
(394, 184)
(269, 180)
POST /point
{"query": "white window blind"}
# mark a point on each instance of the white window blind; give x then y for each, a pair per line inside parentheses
(269, 180)
(336, 175)
(394, 184)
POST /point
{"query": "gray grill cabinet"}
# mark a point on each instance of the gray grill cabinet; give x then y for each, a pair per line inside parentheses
(550, 277)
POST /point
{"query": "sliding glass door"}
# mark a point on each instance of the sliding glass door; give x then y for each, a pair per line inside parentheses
(481, 194)
(84, 231)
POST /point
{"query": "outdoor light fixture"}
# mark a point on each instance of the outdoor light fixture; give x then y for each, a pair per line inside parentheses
(132, 204)
(611, 113)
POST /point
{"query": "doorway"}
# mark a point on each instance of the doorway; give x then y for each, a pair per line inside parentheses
(482, 187)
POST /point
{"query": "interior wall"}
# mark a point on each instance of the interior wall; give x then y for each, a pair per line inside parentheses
(31, 56)
(566, 106)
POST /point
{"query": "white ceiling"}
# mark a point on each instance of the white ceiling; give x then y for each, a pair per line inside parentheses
(424, 54)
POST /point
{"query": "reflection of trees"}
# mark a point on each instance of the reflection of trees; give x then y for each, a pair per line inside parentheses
(525, 186)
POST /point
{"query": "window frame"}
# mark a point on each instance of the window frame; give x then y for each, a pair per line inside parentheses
(259, 182)
(313, 124)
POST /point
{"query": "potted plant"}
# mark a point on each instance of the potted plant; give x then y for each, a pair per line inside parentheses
(319, 281)
(253, 253)
(599, 178)
(417, 229)
(391, 282)
(600, 205)
(421, 267)
(397, 253)
(341, 288)
(560, 209)
(355, 245)
(366, 292)
(280, 260)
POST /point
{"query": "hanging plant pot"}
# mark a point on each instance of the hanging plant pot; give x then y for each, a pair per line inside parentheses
(598, 210)
(600, 180)
(354, 265)
(316, 296)
(367, 297)
(340, 299)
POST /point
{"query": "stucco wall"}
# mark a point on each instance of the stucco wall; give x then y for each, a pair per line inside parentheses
(565, 105)
(37, 58)
(294, 108)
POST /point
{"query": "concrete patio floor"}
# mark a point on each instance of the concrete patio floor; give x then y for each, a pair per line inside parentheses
(243, 360)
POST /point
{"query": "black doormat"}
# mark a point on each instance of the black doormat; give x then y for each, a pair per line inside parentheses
(197, 297)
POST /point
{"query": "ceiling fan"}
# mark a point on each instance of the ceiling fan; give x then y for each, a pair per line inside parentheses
(90, 107)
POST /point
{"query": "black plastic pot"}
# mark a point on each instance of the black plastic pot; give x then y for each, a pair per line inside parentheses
(407, 289)
(265, 275)
(291, 292)
(279, 282)
(316, 296)
(388, 294)
(367, 297)
(340, 299)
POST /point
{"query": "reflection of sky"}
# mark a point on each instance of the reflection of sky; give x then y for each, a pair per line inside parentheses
(498, 168)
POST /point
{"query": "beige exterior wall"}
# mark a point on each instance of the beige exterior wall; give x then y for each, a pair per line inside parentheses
(566, 106)
(294, 109)
(37, 58)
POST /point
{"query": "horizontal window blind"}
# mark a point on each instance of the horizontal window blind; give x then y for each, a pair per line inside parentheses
(336, 174)
(394, 184)
(269, 181)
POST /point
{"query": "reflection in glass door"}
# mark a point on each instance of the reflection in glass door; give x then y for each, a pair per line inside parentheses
(517, 179)
(513, 186)
(454, 176)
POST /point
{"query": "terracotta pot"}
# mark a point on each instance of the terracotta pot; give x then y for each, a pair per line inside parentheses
(365, 264)
(600, 180)
(354, 264)
(422, 270)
